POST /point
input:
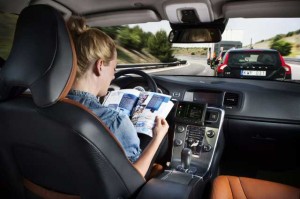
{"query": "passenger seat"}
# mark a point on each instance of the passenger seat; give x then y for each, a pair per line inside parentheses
(232, 187)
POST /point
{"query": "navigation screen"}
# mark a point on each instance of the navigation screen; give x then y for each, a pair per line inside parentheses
(193, 111)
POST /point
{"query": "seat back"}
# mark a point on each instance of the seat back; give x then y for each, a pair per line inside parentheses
(50, 146)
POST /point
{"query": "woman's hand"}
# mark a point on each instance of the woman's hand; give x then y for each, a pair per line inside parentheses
(161, 128)
(159, 131)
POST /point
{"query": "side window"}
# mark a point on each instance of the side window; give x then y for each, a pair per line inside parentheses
(7, 30)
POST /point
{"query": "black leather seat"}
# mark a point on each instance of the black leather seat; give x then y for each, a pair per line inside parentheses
(52, 147)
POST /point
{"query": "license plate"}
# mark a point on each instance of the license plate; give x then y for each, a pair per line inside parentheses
(253, 73)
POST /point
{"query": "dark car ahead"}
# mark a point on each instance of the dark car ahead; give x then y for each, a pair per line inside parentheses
(254, 64)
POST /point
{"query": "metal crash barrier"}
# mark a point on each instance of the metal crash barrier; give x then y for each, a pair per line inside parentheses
(150, 65)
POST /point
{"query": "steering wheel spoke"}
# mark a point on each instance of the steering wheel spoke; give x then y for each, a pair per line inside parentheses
(150, 81)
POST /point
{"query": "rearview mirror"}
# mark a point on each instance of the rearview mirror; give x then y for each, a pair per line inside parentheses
(195, 35)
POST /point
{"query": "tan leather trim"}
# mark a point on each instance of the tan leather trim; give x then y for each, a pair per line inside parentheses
(156, 170)
(73, 72)
(46, 193)
(75, 103)
(232, 187)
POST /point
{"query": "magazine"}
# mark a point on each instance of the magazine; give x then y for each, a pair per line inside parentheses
(141, 107)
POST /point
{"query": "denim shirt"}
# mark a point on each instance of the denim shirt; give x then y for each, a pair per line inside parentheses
(119, 123)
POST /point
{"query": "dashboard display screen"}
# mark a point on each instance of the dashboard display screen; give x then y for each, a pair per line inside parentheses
(211, 98)
(193, 111)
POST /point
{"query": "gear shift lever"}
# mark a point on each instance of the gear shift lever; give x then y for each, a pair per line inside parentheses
(186, 156)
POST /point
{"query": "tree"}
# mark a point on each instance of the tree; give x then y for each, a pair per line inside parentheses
(277, 38)
(160, 47)
(111, 31)
(132, 38)
(283, 47)
(290, 34)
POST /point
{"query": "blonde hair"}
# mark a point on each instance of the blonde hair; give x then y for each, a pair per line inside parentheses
(91, 44)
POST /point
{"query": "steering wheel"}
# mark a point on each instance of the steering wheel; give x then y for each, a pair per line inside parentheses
(150, 81)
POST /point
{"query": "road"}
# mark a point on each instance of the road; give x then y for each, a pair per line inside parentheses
(197, 66)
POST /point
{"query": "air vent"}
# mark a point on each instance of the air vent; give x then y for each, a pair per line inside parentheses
(231, 100)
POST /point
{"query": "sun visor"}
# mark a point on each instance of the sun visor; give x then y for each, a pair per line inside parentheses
(66, 13)
(189, 12)
(260, 9)
(122, 18)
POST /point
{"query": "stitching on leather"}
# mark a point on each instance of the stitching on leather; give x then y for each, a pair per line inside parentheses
(242, 187)
(230, 186)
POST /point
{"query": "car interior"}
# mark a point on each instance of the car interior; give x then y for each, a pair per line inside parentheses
(228, 137)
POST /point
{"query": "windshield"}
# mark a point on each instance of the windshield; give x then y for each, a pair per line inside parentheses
(144, 44)
(146, 47)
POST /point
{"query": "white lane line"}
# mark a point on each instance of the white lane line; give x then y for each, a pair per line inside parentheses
(167, 68)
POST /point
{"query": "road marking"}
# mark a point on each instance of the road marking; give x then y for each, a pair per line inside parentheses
(167, 68)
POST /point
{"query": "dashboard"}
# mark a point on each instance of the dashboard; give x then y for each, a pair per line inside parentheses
(240, 98)
(261, 117)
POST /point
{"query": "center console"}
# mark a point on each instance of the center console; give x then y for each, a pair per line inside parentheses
(197, 129)
(195, 153)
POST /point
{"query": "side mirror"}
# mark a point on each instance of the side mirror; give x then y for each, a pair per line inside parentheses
(195, 35)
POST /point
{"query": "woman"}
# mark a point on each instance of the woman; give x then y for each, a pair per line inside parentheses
(97, 59)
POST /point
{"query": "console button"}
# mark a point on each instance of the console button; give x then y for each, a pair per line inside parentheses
(210, 133)
(178, 142)
(213, 116)
(207, 148)
(180, 129)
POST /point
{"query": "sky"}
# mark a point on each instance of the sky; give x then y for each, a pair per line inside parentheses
(243, 29)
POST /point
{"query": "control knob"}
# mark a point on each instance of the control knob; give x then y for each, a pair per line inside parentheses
(178, 142)
(210, 133)
(207, 148)
(180, 129)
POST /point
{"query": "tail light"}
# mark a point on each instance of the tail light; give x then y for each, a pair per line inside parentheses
(224, 65)
(221, 68)
(286, 67)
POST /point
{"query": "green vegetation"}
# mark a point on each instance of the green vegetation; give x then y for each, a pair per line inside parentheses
(139, 42)
(131, 38)
(7, 29)
(112, 31)
(160, 47)
(125, 57)
(282, 46)
(287, 44)
(189, 51)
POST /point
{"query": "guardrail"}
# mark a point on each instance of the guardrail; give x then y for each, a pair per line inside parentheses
(151, 65)
(287, 59)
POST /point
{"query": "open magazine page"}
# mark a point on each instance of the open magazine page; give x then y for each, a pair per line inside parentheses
(148, 107)
(122, 100)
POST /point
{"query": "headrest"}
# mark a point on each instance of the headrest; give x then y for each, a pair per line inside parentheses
(42, 57)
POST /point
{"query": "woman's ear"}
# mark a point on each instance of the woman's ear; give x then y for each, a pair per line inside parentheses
(98, 67)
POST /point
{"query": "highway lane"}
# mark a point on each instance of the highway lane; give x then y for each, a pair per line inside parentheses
(196, 66)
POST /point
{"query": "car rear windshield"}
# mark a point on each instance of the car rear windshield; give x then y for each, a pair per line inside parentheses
(257, 58)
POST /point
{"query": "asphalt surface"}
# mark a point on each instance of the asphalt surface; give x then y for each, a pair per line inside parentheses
(195, 66)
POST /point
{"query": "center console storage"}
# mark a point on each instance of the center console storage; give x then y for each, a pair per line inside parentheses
(195, 153)
(173, 185)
